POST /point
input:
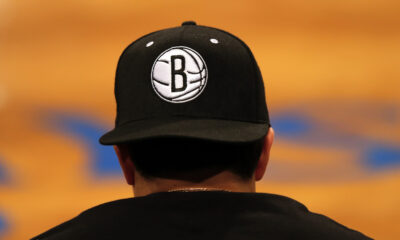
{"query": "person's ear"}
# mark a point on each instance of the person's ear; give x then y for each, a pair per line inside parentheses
(126, 163)
(264, 157)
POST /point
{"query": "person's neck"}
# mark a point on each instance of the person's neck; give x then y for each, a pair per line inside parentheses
(223, 181)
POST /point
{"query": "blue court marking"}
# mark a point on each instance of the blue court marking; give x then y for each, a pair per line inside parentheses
(3, 225)
(291, 124)
(102, 158)
(382, 157)
(376, 155)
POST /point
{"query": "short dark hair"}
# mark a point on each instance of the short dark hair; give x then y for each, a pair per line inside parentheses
(193, 159)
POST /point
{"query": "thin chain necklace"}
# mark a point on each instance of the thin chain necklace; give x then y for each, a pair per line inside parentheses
(196, 189)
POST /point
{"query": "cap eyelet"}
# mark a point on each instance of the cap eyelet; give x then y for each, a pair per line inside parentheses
(149, 44)
(214, 41)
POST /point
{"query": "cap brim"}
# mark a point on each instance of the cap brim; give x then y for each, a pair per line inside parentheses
(206, 129)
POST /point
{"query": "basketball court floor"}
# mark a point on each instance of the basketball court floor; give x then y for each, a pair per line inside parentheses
(332, 78)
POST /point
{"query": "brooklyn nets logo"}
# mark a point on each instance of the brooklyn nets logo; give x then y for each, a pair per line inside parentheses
(179, 75)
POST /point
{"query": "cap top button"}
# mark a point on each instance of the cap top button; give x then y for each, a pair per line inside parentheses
(189, 23)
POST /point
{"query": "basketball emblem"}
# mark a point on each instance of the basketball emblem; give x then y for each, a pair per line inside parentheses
(179, 75)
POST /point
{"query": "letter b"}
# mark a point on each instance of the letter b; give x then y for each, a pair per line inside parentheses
(175, 72)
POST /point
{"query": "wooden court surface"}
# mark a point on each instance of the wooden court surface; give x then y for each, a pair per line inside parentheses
(332, 77)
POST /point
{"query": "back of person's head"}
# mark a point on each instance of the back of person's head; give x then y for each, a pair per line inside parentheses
(193, 159)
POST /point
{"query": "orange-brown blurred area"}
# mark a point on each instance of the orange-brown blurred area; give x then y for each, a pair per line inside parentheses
(332, 77)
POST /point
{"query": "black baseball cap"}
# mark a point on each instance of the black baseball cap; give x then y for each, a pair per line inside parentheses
(190, 81)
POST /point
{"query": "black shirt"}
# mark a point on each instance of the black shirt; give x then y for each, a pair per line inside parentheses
(201, 215)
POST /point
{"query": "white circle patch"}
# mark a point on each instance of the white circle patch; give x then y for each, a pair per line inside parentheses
(179, 75)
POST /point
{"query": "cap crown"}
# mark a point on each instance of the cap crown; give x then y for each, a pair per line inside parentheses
(156, 77)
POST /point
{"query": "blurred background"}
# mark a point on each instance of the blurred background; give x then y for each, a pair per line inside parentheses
(332, 78)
